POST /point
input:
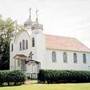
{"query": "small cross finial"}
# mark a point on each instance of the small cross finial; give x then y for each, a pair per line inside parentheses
(30, 13)
(37, 15)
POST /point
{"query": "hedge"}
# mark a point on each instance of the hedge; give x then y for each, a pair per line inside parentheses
(63, 76)
(12, 77)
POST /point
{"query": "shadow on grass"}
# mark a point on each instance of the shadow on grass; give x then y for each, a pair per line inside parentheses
(10, 85)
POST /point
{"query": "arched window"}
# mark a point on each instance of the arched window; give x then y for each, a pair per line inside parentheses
(84, 58)
(26, 44)
(20, 46)
(65, 57)
(33, 42)
(75, 57)
(11, 47)
(53, 56)
(23, 43)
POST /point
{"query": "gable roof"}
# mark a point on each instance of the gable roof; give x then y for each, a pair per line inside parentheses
(20, 32)
(65, 43)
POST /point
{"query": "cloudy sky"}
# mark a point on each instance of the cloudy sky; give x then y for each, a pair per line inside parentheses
(60, 17)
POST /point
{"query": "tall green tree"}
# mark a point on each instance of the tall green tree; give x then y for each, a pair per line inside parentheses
(8, 28)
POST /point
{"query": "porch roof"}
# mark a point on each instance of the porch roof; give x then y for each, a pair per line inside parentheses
(18, 56)
(22, 56)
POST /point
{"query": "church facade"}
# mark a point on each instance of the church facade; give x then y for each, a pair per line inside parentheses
(32, 50)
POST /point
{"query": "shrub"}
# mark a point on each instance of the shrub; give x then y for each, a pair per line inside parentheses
(57, 76)
(16, 76)
(3, 77)
(12, 77)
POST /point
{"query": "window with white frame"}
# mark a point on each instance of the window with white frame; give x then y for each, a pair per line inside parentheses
(53, 56)
(23, 44)
(75, 57)
(12, 47)
(20, 44)
(65, 57)
(26, 44)
(33, 42)
(84, 58)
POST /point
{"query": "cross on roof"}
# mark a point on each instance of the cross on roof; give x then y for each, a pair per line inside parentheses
(30, 55)
(37, 15)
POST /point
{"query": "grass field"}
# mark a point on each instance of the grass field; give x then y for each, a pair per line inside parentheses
(34, 86)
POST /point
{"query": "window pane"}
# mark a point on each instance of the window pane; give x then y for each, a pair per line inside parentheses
(65, 57)
(33, 42)
(75, 57)
(26, 44)
(53, 56)
(11, 47)
(20, 46)
(84, 58)
(23, 44)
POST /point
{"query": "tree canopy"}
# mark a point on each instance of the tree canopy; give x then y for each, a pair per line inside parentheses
(7, 27)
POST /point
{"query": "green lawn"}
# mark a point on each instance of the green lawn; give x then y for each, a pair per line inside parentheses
(34, 86)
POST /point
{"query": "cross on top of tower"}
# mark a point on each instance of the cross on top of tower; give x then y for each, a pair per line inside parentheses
(30, 14)
(37, 15)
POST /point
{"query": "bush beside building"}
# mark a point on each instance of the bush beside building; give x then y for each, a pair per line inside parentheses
(12, 78)
(58, 76)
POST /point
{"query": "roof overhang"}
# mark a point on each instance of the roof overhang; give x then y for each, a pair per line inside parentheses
(20, 56)
(33, 61)
(24, 57)
(82, 51)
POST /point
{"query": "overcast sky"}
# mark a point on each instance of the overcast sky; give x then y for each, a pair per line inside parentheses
(60, 17)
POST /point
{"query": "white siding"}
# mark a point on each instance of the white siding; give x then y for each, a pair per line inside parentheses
(44, 56)
(70, 65)
(16, 48)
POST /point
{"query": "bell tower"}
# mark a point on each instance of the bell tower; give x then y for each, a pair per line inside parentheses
(36, 26)
(28, 23)
(39, 41)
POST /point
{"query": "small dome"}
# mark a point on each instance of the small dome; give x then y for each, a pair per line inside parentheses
(33, 24)
(36, 26)
(28, 23)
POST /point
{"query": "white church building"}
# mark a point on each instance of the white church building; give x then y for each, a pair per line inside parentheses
(32, 50)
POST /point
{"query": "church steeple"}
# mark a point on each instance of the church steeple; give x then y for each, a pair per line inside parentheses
(36, 15)
(30, 14)
(34, 25)
(29, 21)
